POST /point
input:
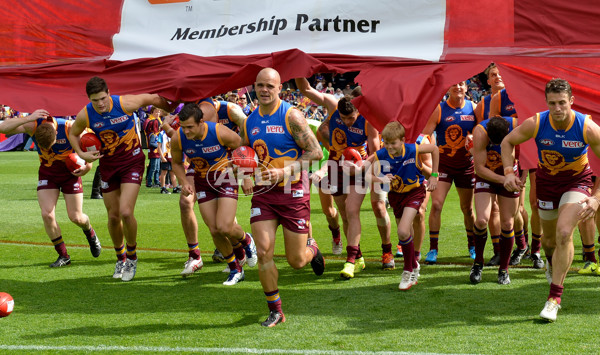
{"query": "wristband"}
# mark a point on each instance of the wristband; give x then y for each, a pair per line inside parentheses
(509, 170)
(434, 174)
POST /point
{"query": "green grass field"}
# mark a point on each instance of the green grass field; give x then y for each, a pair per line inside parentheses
(81, 308)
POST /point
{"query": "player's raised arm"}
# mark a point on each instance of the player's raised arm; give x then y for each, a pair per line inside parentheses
(22, 125)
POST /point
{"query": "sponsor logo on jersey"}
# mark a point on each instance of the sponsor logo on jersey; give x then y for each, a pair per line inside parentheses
(190, 151)
(211, 149)
(408, 161)
(275, 129)
(546, 142)
(98, 125)
(355, 130)
(572, 144)
(61, 141)
(469, 118)
(255, 131)
(119, 119)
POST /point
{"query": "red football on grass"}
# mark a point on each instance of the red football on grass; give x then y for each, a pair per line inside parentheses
(352, 155)
(244, 157)
(6, 304)
(89, 142)
(74, 162)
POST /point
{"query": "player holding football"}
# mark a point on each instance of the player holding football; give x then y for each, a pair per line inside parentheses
(287, 146)
(346, 127)
(121, 166)
(206, 145)
(398, 165)
(50, 135)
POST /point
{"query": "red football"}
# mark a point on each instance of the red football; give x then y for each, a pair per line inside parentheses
(74, 162)
(89, 142)
(6, 304)
(244, 157)
(175, 124)
(352, 155)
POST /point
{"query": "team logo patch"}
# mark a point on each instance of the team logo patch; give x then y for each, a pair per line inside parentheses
(76, 185)
(136, 151)
(545, 205)
(104, 184)
(42, 183)
(190, 151)
(450, 119)
(297, 193)
(98, 125)
(572, 144)
(443, 175)
(200, 194)
(546, 142)
(255, 212)
(255, 131)
(135, 176)
(482, 185)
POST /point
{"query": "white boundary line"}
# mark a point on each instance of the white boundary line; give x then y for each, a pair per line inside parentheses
(165, 349)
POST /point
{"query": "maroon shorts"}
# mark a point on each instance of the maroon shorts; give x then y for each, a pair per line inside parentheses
(60, 180)
(290, 209)
(340, 183)
(208, 189)
(483, 185)
(549, 191)
(462, 178)
(412, 199)
(112, 178)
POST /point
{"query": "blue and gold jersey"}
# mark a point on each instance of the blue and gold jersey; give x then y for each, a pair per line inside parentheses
(406, 168)
(206, 153)
(342, 136)
(453, 125)
(494, 154)
(562, 154)
(485, 107)
(117, 131)
(507, 107)
(270, 136)
(61, 148)
(224, 114)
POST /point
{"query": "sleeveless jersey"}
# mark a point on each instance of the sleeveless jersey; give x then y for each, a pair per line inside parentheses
(562, 154)
(342, 136)
(406, 168)
(269, 135)
(118, 133)
(207, 153)
(223, 115)
(494, 156)
(53, 159)
(507, 107)
(485, 107)
(453, 125)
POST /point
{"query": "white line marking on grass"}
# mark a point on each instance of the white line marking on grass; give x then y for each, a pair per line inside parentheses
(165, 349)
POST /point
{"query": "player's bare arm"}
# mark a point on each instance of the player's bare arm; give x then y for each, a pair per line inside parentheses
(495, 105)
(373, 142)
(480, 142)
(133, 102)
(75, 133)
(229, 138)
(592, 203)
(434, 152)
(166, 125)
(517, 136)
(320, 98)
(177, 165)
(432, 121)
(22, 124)
(237, 115)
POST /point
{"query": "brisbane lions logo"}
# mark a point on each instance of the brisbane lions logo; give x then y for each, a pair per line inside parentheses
(262, 151)
(339, 143)
(554, 162)
(454, 141)
(200, 165)
(110, 140)
(494, 160)
(398, 185)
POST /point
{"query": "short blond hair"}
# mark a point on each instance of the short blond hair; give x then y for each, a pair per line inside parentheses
(392, 131)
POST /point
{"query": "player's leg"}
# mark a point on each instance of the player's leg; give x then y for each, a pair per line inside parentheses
(495, 233)
(483, 210)
(332, 216)
(587, 231)
(47, 199)
(438, 196)
(465, 196)
(353, 203)
(410, 272)
(189, 225)
(128, 197)
(264, 237)
(534, 217)
(419, 227)
(509, 207)
(383, 226)
(74, 204)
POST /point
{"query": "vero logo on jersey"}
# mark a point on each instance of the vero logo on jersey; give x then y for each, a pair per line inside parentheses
(547, 142)
(469, 118)
(61, 141)
(118, 120)
(275, 129)
(572, 144)
(211, 149)
(355, 130)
